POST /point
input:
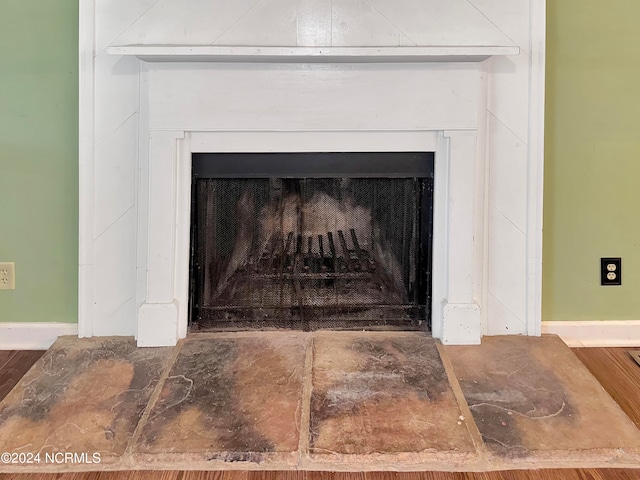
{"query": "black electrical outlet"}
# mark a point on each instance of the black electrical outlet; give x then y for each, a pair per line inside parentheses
(610, 271)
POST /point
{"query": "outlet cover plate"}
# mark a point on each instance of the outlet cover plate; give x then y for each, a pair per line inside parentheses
(7, 276)
(611, 271)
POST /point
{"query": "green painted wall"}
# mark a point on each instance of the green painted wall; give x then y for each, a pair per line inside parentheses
(592, 165)
(39, 158)
(592, 191)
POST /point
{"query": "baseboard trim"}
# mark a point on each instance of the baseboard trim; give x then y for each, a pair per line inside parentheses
(606, 333)
(33, 336)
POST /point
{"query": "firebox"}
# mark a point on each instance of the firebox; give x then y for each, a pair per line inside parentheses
(311, 240)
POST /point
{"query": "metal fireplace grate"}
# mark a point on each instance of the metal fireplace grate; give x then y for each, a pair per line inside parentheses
(311, 253)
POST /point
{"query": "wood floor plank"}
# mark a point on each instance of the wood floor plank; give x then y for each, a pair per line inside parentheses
(618, 373)
(5, 355)
(78, 476)
(141, 475)
(620, 474)
(289, 475)
(552, 474)
(548, 474)
(14, 369)
(221, 475)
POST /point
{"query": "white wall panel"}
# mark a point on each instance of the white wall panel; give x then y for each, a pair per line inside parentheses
(267, 24)
(317, 22)
(115, 16)
(356, 22)
(186, 22)
(508, 96)
(122, 322)
(299, 97)
(507, 174)
(116, 159)
(507, 266)
(115, 271)
(451, 22)
(117, 96)
(508, 153)
(117, 89)
(503, 321)
(511, 17)
(314, 23)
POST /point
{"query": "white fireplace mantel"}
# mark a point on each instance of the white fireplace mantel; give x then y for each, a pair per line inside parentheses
(268, 54)
(158, 83)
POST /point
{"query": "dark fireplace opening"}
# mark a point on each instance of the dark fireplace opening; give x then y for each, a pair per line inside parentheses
(311, 241)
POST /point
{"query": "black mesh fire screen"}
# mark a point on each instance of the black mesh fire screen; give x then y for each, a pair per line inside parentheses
(311, 253)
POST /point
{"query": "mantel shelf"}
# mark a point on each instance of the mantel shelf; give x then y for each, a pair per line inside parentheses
(209, 53)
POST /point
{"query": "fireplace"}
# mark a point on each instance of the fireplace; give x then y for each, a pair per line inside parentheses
(311, 241)
(164, 82)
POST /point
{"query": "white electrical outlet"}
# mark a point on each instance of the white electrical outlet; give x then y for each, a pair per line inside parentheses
(7, 276)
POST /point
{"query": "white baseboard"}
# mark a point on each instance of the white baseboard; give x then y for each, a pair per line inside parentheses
(33, 336)
(606, 333)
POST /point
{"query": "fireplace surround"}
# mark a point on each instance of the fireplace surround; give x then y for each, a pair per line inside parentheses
(163, 80)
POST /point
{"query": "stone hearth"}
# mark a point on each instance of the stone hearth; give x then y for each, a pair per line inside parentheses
(317, 401)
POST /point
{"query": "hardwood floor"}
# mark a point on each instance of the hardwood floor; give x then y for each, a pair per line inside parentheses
(618, 373)
(573, 474)
(613, 368)
(13, 365)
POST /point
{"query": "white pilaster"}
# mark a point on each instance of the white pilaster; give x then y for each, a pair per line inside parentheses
(158, 316)
(461, 315)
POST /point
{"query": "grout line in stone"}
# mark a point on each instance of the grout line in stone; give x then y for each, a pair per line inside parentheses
(305, 411)
(470, 423)
(155, 395)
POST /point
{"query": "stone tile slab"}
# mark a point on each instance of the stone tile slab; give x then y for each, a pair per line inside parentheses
(531, 398)
(230, 398)
(382, 393)
(82, 396)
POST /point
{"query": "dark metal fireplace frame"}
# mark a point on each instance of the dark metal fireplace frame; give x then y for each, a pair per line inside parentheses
(310, 165)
